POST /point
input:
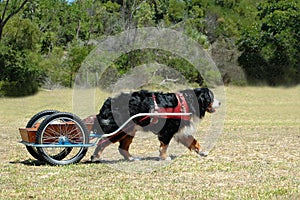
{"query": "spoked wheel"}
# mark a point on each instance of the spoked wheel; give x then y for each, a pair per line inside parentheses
(59, 131)
(35, 121)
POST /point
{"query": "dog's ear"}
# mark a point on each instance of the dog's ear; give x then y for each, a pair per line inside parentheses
(201, 94)
(209, 96)
(204, 98)
(204, 95)
(198, 91)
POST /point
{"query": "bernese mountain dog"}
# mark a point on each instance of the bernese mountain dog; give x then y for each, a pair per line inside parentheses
(116, 111)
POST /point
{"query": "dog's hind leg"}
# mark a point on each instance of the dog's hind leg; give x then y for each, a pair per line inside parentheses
(102, 144)
(124, 147)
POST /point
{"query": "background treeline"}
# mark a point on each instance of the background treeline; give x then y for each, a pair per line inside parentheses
(43, 42)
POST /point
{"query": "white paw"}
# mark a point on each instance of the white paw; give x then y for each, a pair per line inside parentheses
(203, 153)
(134, 159)
(167, 158)
(94, 158)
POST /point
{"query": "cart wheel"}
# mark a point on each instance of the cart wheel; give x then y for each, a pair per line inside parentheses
(37, 118)
(62, 129)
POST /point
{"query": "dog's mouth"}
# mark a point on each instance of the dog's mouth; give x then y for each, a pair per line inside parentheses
(210, 109)
(213, 105)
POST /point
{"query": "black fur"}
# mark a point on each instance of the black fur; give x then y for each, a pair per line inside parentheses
(116, 111)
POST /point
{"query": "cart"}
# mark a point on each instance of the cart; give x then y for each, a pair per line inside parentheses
(62, 138)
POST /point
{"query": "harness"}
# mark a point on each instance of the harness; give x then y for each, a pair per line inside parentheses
(182, 107)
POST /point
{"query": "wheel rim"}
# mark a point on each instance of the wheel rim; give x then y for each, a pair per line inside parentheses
(62, 130)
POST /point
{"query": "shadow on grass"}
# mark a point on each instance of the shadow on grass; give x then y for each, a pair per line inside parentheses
(32, 162)
(150, 158)
(29, 162)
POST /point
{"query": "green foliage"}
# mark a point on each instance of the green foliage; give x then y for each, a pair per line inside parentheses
(19, 64)
(127, 61)
(76, 55)
(52, 65)
(144, 15)
(52, 37)
(226, 3)
(271, 48)
(19, 74)
(50, 17)
(104, 18)
(21, 34)
(176, 10)
(197, 36)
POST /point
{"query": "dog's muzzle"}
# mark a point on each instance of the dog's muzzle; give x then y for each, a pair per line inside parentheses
(216, 104)
(212, 107)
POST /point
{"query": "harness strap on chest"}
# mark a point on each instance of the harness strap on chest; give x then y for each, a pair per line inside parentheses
(181, 107)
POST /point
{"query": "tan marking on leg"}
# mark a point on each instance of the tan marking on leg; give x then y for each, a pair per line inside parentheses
(163, 151)
(195, 146)
(125, 144)
(189, 141)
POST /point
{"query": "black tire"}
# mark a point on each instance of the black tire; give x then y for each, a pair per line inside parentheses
(37, 118)
(59, 127)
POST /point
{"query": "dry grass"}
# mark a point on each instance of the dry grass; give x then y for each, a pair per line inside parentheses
(257, 157)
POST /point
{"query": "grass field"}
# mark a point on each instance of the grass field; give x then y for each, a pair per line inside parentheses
(256, 157)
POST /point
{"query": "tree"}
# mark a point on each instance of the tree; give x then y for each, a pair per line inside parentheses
(19, 73)
(271, 48)
(9, 9)
(176, 10)
(144, 15)
(77, 54)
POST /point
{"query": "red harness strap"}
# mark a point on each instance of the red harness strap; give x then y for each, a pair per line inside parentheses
(182, 107)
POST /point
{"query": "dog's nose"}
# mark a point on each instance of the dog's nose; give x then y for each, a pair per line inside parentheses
(216, 103)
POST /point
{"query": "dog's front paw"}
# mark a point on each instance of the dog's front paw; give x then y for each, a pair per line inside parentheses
(203, 153)
(166, 159)
(134, 159)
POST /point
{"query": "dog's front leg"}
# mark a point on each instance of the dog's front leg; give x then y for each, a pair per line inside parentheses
(163, 151)
(195, 145)
(190, 142)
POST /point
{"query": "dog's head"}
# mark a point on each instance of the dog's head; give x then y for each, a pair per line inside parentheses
(206, 101)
